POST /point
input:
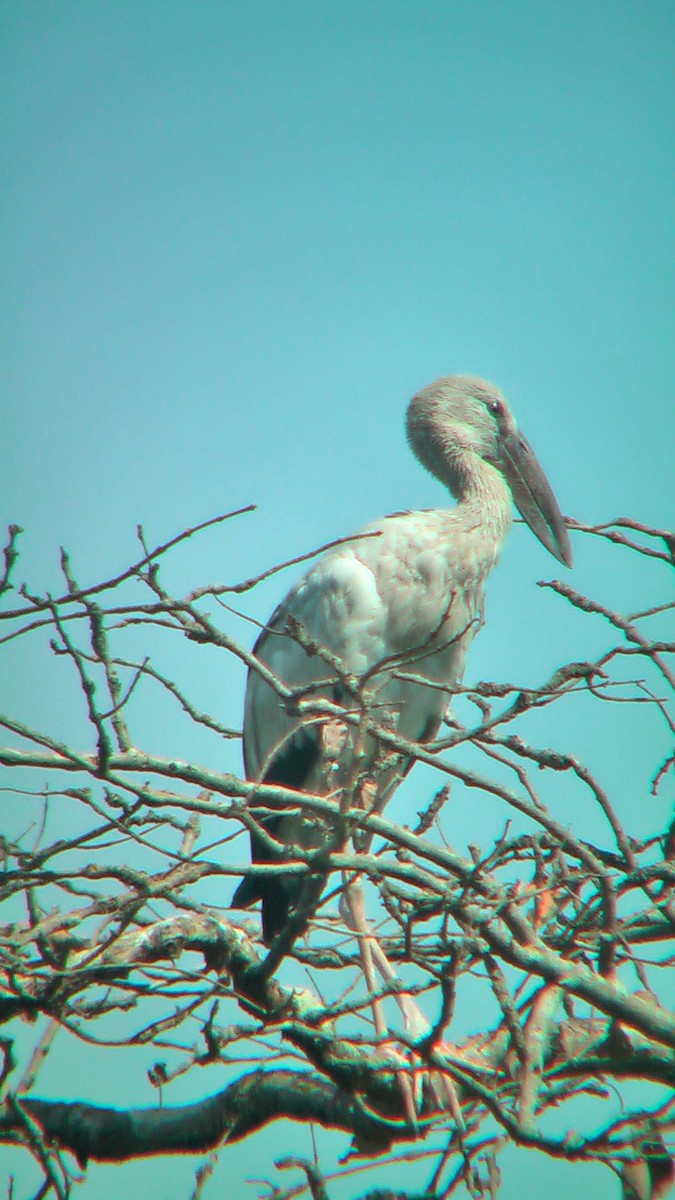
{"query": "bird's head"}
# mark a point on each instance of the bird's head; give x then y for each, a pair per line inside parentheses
(461, 418)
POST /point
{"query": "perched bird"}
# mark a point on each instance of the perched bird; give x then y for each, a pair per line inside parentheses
(396, 608)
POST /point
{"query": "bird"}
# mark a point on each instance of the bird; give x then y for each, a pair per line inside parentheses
(394, 609)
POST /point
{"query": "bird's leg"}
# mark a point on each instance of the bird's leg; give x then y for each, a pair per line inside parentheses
(354, 913)
(373, 958)
(440, 1084)
(368, 794)
(370, 791)
(414, 1022)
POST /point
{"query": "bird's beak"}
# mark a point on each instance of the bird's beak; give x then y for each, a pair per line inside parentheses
(533, 496)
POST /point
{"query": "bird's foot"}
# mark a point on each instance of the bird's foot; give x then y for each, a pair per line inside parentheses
(423, 1089)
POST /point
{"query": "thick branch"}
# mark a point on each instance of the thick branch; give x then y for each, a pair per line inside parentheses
(116, 1135)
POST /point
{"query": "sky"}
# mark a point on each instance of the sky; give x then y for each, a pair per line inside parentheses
(236, 238)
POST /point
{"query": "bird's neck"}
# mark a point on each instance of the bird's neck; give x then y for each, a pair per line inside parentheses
(483, 509)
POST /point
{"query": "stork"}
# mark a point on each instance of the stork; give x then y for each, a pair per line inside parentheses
(396, 609)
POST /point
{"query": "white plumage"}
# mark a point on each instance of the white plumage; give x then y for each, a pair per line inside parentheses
(404, 600)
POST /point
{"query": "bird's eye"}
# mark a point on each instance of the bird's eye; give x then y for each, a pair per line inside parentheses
(496, 407)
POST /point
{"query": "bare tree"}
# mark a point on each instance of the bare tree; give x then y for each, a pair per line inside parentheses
(566, 937)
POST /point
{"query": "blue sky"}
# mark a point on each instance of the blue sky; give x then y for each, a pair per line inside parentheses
(237, 237)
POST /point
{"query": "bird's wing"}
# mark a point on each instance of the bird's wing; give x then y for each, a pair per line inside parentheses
(335, 606)
(388, 599)
(385, 607)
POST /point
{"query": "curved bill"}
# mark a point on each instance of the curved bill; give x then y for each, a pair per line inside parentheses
(533, 496)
